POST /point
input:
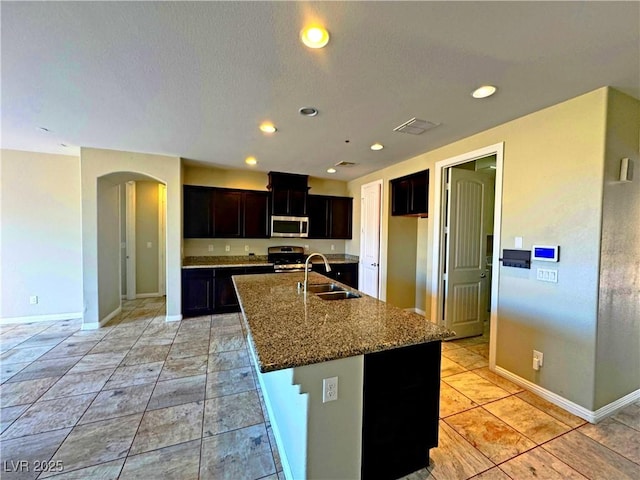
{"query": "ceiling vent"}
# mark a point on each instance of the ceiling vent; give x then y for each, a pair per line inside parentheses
(415, 126)
(345, 164)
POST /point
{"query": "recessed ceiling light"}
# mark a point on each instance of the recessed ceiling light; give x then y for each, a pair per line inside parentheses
(308, 111)
(377, 146)
(251, 161)
(64, 145)
(43, 129)
(267, 127)
(484, 91)
(331, 170)
(314, 37)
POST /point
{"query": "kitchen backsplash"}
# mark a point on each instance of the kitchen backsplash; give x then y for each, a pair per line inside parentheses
(195, 247)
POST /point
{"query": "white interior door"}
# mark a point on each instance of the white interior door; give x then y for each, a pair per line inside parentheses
(370, 195)
(465, 273)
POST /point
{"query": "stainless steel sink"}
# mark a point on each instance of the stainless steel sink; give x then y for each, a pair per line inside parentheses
(324, 287)
(338, 295)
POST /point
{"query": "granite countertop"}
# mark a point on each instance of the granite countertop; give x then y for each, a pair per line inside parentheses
(222, 261)
(225, 261)
(287, 331)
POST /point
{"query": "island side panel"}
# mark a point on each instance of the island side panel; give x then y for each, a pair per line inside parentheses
(316, 440)
(334, 431)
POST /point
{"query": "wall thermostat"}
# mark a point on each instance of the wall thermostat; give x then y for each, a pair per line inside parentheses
(546, 253)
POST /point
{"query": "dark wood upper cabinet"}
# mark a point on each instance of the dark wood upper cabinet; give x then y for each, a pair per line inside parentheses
(410, 195)
(330, 217)
(198, 214)
(225, 213)
(318, 209)
(256, 214)
(289, 193)
(341, 217)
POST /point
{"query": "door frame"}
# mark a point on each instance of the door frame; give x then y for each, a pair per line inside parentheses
(438, 231)
(162, 235)
(380, 185)
(130, 250)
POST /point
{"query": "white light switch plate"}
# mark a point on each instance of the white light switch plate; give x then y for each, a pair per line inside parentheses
(518, 242)
(547, 275)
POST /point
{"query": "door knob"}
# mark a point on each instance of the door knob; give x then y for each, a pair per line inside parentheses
(374, 264)
(483, 275)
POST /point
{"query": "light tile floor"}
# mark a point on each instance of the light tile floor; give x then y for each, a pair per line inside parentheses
(142, 398)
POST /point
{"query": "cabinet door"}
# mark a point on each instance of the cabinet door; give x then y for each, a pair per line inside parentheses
(340, 219)
(400, 194)
(258, 269)
(298, 202)
(318, 209)
(401, 391)
(197, 291)
(227, 213)
(226, 298)
(197, 216)
(346, 273)
(419, 193)
(256, 214)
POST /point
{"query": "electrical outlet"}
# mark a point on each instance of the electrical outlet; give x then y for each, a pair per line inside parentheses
(329, 389)
(149, 244)
(537, 359)
(246, 248)
(333, 247)
(227, 248)
(33, 299)
(210, 248)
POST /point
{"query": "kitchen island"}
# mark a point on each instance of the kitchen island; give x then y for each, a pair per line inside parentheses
(387, 365)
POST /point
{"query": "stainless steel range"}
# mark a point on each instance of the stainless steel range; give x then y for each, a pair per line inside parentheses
(287, 259)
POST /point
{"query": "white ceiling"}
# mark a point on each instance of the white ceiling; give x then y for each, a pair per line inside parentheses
(195, 79)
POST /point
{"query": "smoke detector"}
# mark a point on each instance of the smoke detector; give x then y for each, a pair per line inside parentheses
(415, 126)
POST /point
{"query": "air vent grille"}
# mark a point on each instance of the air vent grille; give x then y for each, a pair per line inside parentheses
(415, 126)
(345, 164)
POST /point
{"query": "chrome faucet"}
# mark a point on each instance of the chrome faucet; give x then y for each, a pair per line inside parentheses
(306, 268)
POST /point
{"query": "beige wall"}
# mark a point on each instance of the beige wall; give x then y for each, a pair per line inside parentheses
(96, 163)
(40, 236)
(552, 194)
(618, 341)
(146, 233)
(108, 239)
(252, 180)
(401, 261)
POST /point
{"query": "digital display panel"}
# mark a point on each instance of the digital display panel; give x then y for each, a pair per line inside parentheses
(546, 253)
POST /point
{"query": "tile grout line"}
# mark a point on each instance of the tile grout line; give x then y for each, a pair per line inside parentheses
(204, 402)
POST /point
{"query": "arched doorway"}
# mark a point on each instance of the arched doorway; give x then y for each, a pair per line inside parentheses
(130, 218)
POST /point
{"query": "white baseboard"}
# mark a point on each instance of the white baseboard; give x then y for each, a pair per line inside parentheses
(96, 325)
(148, 295)
(41, 318)
(172, 318)
(416, 310)
(590, 416)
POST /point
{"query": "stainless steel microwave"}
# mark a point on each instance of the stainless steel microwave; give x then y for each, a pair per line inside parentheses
(291, 227)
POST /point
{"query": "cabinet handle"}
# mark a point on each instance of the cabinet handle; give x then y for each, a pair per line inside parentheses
(483, 275)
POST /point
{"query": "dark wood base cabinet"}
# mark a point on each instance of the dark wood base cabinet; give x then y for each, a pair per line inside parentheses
(210, 290)
(401, 395)
(198, 291)
(346, 273)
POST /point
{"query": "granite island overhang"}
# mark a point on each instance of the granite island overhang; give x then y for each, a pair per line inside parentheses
(387, 364)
